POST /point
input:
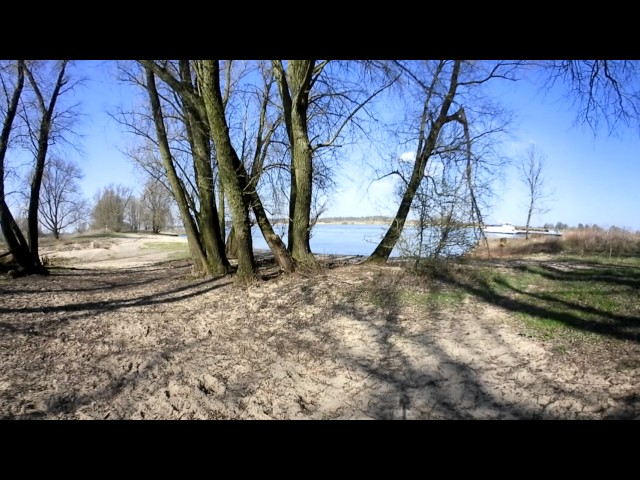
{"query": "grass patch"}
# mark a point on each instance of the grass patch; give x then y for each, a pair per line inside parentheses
(86, 237)
(176, 250)
(50, 241)
(403, 298)
(564, 299)
(547, 329)
(165, 246)
(432, 299)
(409, 287)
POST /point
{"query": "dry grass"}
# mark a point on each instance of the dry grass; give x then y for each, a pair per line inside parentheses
(613, 242)
(517, 247)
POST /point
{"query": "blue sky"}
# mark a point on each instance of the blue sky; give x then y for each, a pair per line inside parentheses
(594, 179)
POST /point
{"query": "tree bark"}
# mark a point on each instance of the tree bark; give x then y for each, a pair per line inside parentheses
(528, 221)
(229, 165)
(277, 247)
(222, 224)
(294, 91)
(15, 239)
(193, 237)
(198, 134)
(13, 236)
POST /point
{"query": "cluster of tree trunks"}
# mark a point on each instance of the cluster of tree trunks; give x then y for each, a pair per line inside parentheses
(300, 111)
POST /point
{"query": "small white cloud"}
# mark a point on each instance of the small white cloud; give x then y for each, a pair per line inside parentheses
(408, 157)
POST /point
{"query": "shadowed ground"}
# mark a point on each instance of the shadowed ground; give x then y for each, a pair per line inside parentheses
(350, 342)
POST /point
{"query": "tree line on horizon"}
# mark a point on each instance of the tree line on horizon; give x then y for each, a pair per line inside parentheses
(250, 141)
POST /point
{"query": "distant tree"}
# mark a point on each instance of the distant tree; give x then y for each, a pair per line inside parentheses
(156, 206)
(81, 226)
(561, 226)
(532, 168)
(134, 214)
(61, 201)
(110, 207)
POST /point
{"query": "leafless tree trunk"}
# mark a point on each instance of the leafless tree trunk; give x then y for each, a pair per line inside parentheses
(43, 136)
(209, 103)
(294, 86)
(195, 247)
(532, 177)
(61, 203)
(198, 133)
(230, 167)
(426, 145)
(443, 87)
(13, 236)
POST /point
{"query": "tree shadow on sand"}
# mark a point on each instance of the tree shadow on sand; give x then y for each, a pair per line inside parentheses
(374, 344)
(121, 285)
(455, 386)
(552, 303)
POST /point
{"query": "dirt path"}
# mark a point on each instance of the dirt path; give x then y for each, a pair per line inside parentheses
(151, 342)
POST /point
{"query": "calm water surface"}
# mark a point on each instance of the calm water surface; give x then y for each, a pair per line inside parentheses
(336, 239)
(333, 239)
(351, 239)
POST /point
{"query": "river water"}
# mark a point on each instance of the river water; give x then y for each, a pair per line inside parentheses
(351, 239)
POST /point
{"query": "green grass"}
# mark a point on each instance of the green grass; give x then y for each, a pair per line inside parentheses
(565, 299)
(177, 251)
(432, 299)
(402, 298)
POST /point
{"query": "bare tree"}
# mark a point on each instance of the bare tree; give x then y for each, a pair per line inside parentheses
(46, 95)
(319, 105)
(110, 207)
(163, 152)
(205, 239)
(12, 86)
(134, 214)
(234, 176)
(295, 84)
(443, 210)
(156, 206)
(61, 201)
(253, 133)
(442, 87)
(37, 89)
(532, 170)
(600, 91)
(208, 101)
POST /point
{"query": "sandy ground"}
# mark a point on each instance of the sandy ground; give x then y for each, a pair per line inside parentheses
(129, 251)
(117, 335)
